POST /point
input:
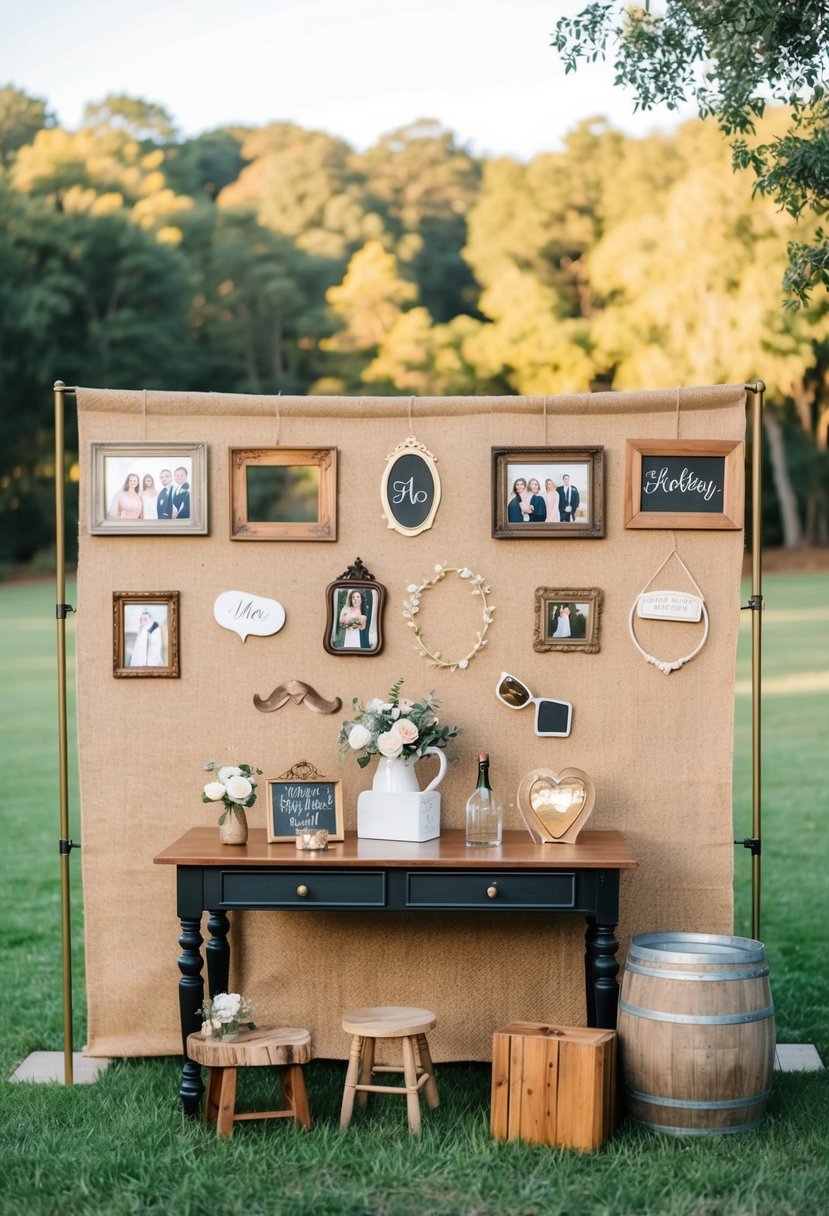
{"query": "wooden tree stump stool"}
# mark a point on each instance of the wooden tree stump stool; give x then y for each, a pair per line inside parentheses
(286, 1049)
(390, 1022)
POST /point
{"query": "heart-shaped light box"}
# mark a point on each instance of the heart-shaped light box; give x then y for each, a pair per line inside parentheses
(556, 806)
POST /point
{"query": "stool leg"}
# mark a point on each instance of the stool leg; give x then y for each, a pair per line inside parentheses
(227, 1103)
(352, 1076)
(293, 1091)
(366, 1067)
(410, 1077)
(211, 1098)
(430, 1089)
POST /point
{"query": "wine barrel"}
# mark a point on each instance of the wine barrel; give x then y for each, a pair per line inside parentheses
(696, 1033)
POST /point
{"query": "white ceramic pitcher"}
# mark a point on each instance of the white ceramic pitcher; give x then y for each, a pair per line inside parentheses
(396, 775)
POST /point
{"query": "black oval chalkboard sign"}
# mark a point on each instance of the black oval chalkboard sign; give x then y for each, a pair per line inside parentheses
(410, 491)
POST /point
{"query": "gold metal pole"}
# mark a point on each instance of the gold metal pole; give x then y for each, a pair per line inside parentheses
(61, 609)
(758, 389)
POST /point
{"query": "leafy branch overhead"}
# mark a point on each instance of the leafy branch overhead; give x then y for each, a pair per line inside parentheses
(731, 58)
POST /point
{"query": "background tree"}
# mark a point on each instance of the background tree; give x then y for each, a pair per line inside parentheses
(731, 57)
(21, 117)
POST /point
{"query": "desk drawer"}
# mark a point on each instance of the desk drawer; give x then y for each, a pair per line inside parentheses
(541, 889)
(303, 889)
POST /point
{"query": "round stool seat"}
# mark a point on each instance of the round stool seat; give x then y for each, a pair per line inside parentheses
(252, 1048)
(389, 1021)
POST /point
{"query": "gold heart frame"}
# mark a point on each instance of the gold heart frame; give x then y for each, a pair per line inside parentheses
(556, 806)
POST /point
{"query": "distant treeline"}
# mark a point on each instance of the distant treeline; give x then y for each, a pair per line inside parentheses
(280, 259)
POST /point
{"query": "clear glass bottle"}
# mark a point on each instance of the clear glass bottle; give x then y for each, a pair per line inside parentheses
(484, 813)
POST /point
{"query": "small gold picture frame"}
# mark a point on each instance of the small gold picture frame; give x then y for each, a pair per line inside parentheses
(145, 642)
(567, 619)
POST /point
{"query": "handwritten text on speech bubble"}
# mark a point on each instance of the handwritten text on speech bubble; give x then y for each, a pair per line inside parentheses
(245, 613)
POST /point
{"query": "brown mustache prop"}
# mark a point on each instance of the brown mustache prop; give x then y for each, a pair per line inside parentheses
(298, 692)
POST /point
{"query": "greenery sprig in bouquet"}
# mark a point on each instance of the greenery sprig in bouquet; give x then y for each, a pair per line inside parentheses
(394, 727)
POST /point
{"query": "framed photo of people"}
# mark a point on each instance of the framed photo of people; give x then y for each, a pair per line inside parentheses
(547, 493)
(144, 488)
(354, 617)
(283, 493)
(145, 640)
(567, 618)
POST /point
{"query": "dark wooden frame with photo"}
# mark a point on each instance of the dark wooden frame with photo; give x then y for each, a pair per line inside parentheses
(510, 465)
(355, 579)
(104, 455)
(121, 662)
(546, 598)
(323, 525)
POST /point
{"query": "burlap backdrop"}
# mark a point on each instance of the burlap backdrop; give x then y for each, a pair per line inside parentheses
(657, 747)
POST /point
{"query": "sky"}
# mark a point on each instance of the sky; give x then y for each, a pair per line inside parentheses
(354, 68)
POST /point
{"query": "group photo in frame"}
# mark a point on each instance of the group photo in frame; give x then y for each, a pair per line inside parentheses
(283, 493)
(354, 616)
(684, 483)
(567, 619)
(145, 640)
(145, 488)
(542, 493)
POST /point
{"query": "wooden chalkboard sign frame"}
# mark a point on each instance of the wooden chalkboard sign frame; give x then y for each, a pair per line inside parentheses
(640, 457)
(415, 455)
(303, 777)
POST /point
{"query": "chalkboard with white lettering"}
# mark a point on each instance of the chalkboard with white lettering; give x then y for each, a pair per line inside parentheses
(296, 805)
(410, 490)
(684, 484)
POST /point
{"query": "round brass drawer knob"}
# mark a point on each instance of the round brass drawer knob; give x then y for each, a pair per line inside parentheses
(302, 891)
(492, 891)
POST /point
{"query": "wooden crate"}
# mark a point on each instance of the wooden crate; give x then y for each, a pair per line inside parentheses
(553, 1085)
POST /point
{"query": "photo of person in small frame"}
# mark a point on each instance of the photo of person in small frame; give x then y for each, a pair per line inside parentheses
(355, 610)
(566, 620)
(145, 635)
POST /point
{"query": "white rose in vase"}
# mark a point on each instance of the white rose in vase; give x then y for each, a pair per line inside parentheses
(239, 789)
(390, 744)
(358, 736)
(214, 791)
(230, 770)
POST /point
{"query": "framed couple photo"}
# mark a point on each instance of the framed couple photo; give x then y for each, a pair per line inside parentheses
(155, 489)
(145, 634)
(547, 493)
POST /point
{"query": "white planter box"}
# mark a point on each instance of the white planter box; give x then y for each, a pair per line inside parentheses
(410, 816)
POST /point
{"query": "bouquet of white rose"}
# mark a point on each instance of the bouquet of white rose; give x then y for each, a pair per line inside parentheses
(394, 727)
(225, 1014)
(234, 786)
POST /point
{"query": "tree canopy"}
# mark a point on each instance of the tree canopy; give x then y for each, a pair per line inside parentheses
(284, 260)
(733, 58)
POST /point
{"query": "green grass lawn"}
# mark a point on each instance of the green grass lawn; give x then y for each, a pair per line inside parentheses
(123, 1146)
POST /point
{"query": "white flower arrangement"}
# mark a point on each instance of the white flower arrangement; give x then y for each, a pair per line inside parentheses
(234, 786)
(411, 607)
(225, 1015)
(394, 727)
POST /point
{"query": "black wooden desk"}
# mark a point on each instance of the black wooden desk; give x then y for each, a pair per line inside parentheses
(391, 876)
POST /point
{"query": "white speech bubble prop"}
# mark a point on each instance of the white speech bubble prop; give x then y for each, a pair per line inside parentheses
(244, 614)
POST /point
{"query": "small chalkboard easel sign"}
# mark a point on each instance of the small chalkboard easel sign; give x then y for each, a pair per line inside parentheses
(684, 483)
(303, 799)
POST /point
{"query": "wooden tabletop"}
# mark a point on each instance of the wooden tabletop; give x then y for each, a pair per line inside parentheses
(592, 851)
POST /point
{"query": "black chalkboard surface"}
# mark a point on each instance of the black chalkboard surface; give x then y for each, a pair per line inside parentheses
(295, 805)
(410, 491)
(684, 483)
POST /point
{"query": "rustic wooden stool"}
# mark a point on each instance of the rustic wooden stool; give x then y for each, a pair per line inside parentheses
(286, 1048)
(390, 1022)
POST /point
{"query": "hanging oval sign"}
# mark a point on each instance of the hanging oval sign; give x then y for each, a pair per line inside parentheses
(410, 490)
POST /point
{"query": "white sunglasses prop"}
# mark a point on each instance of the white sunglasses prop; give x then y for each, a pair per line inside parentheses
(552, 718)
